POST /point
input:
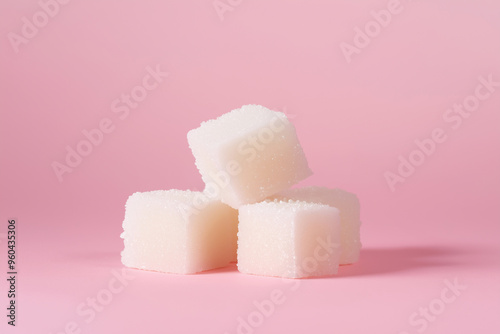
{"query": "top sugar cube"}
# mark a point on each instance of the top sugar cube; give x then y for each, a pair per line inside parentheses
(247, 155)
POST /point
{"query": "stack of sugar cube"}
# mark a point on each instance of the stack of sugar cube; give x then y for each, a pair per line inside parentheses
(248, 159)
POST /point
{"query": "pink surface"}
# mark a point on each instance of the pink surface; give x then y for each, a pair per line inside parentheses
(355, 116)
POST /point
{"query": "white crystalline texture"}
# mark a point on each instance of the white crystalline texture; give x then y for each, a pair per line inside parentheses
(178, 232)
(247, 155)
(288, 239)
(348, 205)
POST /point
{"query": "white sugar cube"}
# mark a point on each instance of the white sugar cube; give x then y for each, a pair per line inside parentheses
(288, 239)
(247, 155)
(348, 205)
(178, 231)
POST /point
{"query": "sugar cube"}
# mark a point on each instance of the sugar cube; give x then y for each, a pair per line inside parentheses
(288, 239)
(348, 205)
(178, 231)
(247, 155)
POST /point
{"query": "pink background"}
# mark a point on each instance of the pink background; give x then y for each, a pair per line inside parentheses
(353, 119)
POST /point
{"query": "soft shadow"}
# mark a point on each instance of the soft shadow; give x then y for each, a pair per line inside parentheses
(378, 261)
(232, 267)
(373, 261)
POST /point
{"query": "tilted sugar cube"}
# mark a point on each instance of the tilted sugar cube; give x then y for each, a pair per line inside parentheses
(288, 239)
(178, 231)
(247, 155)
(348, 205)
